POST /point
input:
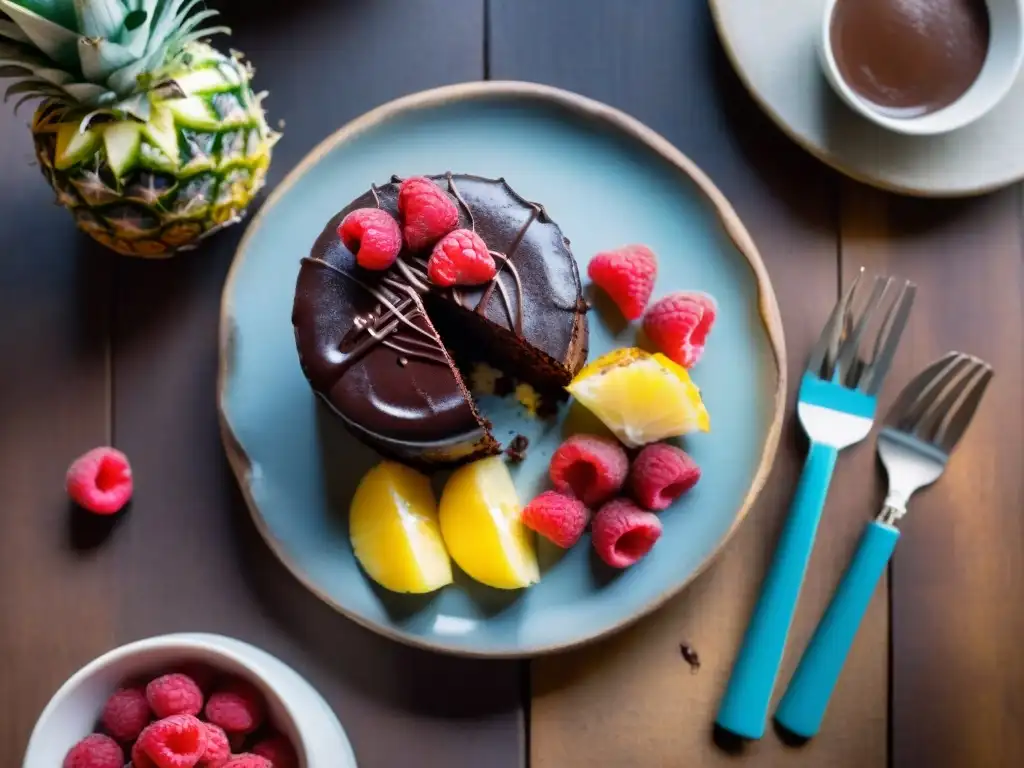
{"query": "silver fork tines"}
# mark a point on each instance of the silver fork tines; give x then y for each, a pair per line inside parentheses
(939, 403)
(888, 338)
(836, 354)
(848, 371)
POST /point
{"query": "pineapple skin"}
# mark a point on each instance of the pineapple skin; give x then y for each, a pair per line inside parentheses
(156, 205)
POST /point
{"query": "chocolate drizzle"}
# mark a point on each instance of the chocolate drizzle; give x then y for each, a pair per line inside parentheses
(506, 260)
(377, 345)
(455, 193)
(386, 327)
(414, 270)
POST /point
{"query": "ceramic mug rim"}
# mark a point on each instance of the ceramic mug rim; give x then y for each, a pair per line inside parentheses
(954, 115)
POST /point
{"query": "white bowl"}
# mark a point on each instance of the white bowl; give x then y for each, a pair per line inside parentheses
(293, 705)
(998, 74)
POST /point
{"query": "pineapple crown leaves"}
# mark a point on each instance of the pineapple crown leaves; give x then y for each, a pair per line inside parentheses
(100, 55)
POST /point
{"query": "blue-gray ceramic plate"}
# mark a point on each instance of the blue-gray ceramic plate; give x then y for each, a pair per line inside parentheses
(608, 181)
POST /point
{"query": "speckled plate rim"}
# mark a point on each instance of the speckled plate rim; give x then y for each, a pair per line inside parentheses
(821, 153)
(593, 110)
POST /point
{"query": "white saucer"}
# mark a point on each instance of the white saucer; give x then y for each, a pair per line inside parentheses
(772, 46)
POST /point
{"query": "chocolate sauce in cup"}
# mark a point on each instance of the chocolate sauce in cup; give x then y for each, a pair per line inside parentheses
(922, 66)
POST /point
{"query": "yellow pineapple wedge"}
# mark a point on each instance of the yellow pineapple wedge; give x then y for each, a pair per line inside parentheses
(642, 398)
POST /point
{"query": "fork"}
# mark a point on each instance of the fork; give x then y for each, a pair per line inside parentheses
(925, 423)
(836, 407)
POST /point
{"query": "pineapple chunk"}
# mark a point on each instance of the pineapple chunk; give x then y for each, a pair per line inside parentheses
(161, 131)
(193, 112)
(122, 141)
(206, 80)
(74, 146)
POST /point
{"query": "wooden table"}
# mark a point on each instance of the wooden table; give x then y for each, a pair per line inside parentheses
(101, 349)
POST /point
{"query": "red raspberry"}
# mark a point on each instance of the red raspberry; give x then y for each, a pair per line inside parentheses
(427, 211)
(557, 517)
(95, 751)
(175, 694)
(679, 325)
(237, 707)
(218, 748)
(279, 751)
(373, 236)
(125, 714)
(100, 481)
(248, 760)
(660, 474)
(627, 275)
(139, 758)
(623, 533)
(460, 258)
(174, 742)
(589, 467)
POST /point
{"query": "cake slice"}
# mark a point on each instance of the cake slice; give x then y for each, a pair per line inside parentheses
(380, 348)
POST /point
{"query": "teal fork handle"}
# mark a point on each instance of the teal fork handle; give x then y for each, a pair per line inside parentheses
(803, 707)
(744, 709)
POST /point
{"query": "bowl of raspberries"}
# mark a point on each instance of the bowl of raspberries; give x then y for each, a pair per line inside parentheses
(187, 701)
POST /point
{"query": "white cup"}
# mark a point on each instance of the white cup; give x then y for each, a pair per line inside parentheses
(997, 76)
(293, 705)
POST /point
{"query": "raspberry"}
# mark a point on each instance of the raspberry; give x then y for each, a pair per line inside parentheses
(95, 751)
(679, 325)
(237, 707)
(661, 473)
(279, 751)
(589, 467)
(125, 714)
(627, 276)
(175, 694)
(248, 760)
(373, 236)
(427, 212)
(218, 749)
(100, 481)
(139, 758)
(174, 742)
(557, 517)
(460, 258)
(623, 533)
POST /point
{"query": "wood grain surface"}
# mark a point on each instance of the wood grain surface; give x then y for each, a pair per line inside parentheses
(633, 700)
(89, 330)
(56, 580)
(98, 348)
(958, 573)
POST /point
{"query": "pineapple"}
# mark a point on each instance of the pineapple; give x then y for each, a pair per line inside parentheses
(152, 139)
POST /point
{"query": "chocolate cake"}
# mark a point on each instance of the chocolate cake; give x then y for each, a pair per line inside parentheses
(383, 348)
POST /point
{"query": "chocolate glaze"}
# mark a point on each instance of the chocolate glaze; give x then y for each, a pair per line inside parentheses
(910, 57)
(366, 342)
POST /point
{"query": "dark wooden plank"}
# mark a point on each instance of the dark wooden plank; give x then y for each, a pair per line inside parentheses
(195, 561)
(632, 700)
(958, 572)
(56, 608)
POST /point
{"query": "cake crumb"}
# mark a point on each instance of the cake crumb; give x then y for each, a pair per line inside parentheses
(690, 656)
(403, 362)
(516, 450)
(528, 398)
(484, 379)
(547, 407)
(505, 385)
